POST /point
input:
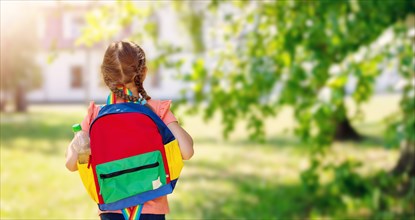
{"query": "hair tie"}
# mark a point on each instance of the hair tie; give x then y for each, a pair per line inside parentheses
(142, 101)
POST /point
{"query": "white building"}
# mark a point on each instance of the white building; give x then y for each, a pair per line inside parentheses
(74, 73)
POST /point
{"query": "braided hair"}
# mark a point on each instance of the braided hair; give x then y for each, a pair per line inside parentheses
(125, 62)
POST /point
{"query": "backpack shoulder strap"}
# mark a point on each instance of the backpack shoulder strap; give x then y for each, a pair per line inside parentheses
(127, 107)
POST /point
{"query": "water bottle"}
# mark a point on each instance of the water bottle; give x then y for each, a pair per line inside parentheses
(81, 144)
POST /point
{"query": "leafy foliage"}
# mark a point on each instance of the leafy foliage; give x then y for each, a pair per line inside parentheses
(293, 53)
(402, 124)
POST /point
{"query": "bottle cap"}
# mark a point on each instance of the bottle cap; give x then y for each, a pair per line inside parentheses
(76, 127)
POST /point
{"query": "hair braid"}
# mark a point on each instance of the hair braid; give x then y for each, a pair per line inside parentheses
(125, 62)
(139, 83)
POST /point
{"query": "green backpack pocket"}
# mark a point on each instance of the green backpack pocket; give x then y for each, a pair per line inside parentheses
(127, 177)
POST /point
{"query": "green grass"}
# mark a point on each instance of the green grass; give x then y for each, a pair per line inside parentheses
(34, 181)
(225, 179)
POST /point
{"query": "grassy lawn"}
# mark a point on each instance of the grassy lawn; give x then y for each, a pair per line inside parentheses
(233, 178)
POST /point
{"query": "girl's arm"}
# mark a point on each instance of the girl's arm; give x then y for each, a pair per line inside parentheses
(71, 157)
(184, 139)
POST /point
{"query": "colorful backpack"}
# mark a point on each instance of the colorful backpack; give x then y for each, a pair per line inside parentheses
(134, 158)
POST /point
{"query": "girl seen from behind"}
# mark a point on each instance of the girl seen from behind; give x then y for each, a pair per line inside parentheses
(124, 69)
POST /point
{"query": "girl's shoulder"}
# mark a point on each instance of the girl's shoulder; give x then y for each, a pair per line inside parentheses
(93, 111)
(162, 109)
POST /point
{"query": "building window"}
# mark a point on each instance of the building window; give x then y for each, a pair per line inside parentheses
(76, 77)
(156, 79)
(72, 25)
(77, 24)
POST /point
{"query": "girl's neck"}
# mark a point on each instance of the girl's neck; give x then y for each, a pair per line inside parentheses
(133, 88)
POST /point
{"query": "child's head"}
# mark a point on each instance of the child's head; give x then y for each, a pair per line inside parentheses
(125, 63)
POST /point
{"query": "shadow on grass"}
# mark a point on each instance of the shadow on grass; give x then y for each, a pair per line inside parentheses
(40, 132)
(371, 132)
(281, 141)
(224, 194)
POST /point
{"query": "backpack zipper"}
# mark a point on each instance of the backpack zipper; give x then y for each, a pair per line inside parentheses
(135, 169)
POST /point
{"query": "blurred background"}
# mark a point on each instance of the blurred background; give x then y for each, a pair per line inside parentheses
(298, 109)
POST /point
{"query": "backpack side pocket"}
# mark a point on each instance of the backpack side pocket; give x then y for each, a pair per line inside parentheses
(174, 159)
(87, 177)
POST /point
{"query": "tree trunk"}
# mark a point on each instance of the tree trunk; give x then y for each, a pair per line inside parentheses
(345, 131)
(2, 105)
(20, 99)
(406, 162)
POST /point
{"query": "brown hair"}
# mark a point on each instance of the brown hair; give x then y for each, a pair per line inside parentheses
(124, 62)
